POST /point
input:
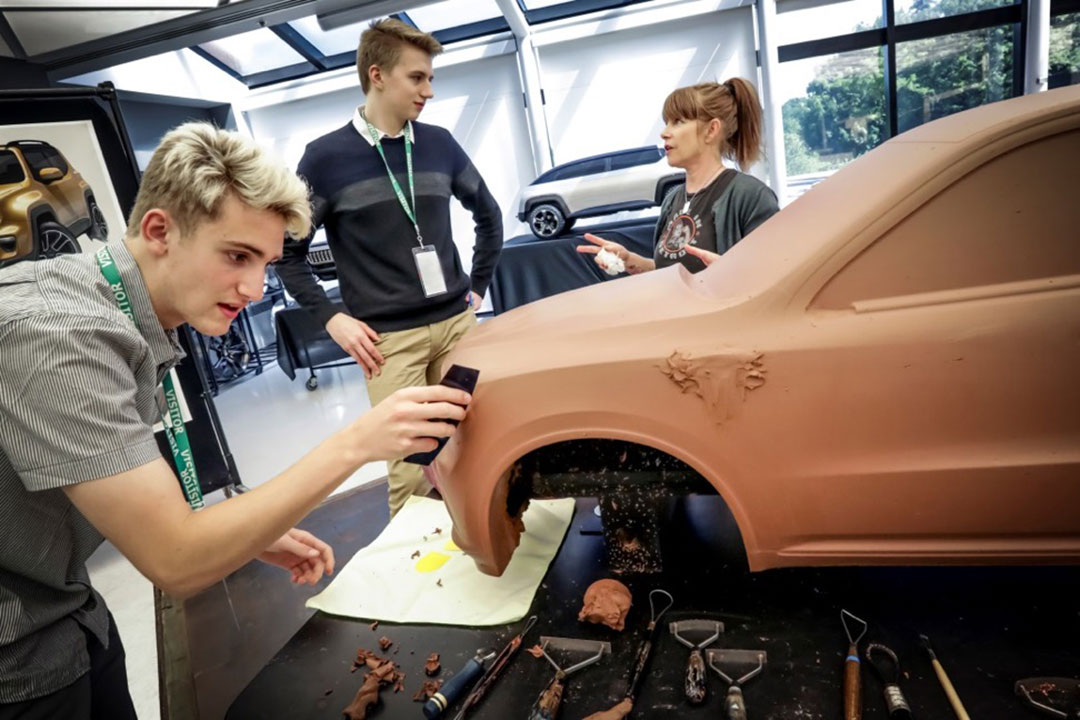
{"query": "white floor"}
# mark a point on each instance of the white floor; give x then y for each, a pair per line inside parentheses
(269, 423)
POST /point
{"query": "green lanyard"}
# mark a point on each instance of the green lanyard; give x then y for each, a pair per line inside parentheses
(174, 421)
(410, 211)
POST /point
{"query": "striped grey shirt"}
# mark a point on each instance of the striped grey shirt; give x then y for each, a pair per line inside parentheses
(78, 397)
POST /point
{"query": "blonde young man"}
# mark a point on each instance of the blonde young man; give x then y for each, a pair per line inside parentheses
(86, 340)
(408, 299)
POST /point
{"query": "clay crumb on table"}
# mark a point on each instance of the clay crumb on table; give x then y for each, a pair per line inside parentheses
(431, 667)
(429, 688)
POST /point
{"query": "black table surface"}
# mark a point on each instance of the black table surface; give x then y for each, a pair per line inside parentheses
(990, 627)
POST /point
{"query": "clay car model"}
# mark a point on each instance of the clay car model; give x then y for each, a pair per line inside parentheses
(885, 372)
(45, 204)
(598, 185)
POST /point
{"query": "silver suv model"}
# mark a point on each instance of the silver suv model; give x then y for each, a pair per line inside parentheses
(624, 180)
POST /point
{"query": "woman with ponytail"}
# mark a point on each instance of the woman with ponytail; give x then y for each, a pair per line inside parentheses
(704, 125)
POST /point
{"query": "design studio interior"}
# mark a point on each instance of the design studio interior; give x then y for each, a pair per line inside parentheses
(591, 359)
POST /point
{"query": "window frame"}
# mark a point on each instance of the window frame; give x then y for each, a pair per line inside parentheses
(892, 34)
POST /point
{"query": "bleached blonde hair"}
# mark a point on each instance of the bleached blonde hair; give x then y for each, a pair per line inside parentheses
(197, 165)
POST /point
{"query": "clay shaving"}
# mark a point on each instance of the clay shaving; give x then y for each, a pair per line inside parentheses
(374, 625)
(385, 643)
(414, 555)
(616, 713)
(536, 651)
(431, 667)
(429, 688)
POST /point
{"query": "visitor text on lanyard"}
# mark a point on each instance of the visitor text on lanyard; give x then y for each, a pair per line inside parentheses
(173, 419)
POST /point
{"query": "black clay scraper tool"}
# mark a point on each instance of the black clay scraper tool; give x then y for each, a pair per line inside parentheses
(696, 635)
(550, 700)
(727, 664)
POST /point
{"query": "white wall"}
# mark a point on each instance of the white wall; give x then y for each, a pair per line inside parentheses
(479, 102)
(606, 92)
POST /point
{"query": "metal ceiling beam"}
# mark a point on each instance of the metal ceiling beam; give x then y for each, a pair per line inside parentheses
(104, 8)
(193, 29)
(300, 44)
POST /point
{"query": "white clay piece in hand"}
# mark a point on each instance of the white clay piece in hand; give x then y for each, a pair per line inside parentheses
(610, 262)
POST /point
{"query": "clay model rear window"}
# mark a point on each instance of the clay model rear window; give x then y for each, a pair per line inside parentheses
(10, 170)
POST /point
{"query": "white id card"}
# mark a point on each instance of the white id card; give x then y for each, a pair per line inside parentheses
(430, 270)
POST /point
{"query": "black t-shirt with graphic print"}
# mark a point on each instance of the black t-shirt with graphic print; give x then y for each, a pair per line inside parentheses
(690, 221)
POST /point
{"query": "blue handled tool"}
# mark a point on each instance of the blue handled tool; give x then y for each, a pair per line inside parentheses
(456, 686)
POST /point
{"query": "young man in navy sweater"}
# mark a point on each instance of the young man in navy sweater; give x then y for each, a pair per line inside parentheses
(381, 186)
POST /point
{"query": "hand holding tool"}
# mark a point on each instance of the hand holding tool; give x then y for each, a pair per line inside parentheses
(852, 678)
(946, 685)
(456, 686)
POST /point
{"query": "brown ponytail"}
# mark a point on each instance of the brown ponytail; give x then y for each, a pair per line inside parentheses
(745, 142)
(735, 104)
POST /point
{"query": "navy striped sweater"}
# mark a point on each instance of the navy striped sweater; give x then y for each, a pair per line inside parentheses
(371, 237)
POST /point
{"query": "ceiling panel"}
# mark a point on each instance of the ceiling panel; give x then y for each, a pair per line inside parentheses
(452, 13)
(253, 52)
(42, 32)
(331, 42)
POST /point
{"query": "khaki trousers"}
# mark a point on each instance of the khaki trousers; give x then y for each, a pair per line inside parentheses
(413, 357)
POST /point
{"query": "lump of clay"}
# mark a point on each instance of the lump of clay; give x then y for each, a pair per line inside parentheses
(616, 713)
(606, 602)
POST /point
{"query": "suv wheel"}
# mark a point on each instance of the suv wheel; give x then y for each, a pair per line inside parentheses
(546, 221)
(99, 227)
(54, 239)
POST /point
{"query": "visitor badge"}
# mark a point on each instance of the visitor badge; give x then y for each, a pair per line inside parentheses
(430, 270)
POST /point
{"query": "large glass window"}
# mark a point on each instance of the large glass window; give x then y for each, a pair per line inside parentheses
(452, 13)
(828, 20)
(330, 42)
(909, 11)
(944, 75)
(1065, 50)
(253, 52)
(833, 109)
